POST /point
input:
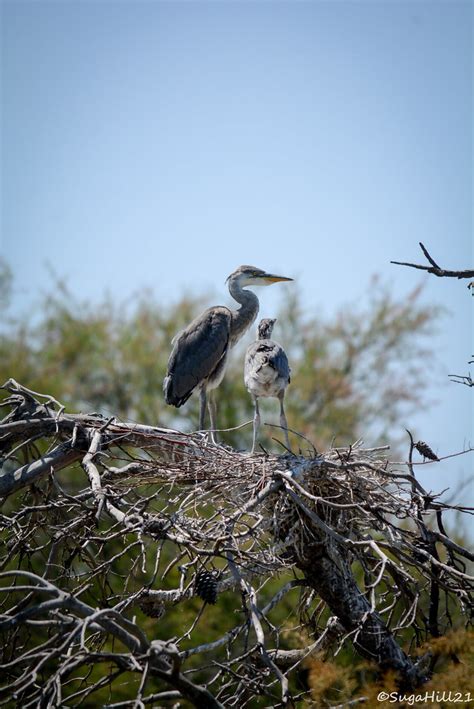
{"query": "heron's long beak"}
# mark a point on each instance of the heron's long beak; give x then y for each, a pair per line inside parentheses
(271, 278)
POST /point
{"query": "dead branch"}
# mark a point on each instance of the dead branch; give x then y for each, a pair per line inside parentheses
(434, 268)
(441, 272)
(465, 379)
(108, 524)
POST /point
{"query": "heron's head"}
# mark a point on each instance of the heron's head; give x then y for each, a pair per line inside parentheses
(265, 328)
(252, 276)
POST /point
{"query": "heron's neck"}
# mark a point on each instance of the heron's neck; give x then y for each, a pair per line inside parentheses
(246, 314)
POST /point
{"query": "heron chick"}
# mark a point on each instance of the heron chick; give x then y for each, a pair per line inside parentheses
(199, 355)
(266, 373)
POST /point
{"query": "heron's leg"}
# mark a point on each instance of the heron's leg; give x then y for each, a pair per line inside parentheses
(211, 403)
(202, 409)
(256, 423)
(283, 421)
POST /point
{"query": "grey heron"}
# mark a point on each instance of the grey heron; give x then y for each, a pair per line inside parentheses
(199, 355)
(266, 373)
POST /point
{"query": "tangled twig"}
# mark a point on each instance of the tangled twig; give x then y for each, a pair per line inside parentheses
(104, 520)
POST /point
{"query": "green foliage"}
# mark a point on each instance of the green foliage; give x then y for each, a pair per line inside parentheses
(332, 683)
(353, 374)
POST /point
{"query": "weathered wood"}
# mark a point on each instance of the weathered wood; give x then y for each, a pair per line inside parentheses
(327, 569)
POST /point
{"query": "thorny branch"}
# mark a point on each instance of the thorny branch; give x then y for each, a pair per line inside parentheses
(108, 526)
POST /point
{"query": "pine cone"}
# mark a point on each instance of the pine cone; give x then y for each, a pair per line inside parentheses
(424, 450)
(205, 586)
(157, 527)
(151, 607)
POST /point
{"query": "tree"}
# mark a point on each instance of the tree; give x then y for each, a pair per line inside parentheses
(142, 565)
(81, 565)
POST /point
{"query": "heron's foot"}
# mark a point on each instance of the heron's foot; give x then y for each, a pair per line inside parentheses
(209, 437)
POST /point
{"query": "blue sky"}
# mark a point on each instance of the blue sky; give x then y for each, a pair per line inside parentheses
(162, 144)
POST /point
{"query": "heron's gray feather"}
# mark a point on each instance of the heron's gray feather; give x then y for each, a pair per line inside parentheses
(267, 371)
(198, 353)
(267, 352)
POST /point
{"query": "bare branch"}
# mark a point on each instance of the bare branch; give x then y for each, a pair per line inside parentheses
(434, 268)
(152, 521)
(462, 379)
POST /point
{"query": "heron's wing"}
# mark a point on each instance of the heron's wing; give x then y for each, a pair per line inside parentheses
(278, 360)
(196, 353)
(267, 352)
